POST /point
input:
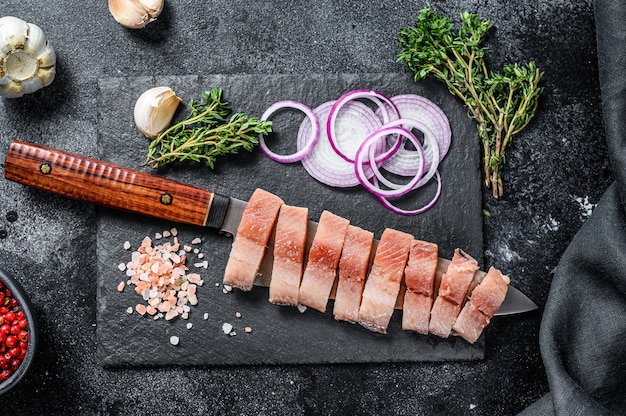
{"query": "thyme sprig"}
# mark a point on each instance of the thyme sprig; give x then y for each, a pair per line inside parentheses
(206, 133)
(502, 103)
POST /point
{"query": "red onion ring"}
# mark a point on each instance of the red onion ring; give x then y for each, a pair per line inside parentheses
(323, 163)
(387, 204)
(431, 160)
(302, 151)
(376, 97)
(379, 134)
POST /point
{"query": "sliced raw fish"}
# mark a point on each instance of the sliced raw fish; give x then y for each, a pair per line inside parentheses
(353, 265)
(470, 323)
(490, 292)
(458, 276)
(383, 283)
(416, 312)
(452, 292)
(421, 268)
(289, 246)
(442, 316)
(250, 243)
(419, 278)
(484, 302)
(321, 268)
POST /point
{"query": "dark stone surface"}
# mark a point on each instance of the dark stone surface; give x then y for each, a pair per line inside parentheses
(281, 335)
(557, 165)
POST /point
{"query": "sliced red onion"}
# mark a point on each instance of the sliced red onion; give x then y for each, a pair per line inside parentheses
(310, 143)
(354, 124)
(387, 204)
(363, 151)
(378, 98)
(406, 162)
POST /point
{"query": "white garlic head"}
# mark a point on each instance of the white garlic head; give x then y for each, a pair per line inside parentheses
(135, 14)
(154, 110)
(27, 59)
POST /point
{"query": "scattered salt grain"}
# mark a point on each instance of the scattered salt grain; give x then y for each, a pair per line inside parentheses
(203, 264)
(196, 241)
(248, 329)
(189, 325)
(121, 266)
(301, 308)
(126, 245)
(472, 406)
(200, 255)
(196, 251)
(158, 236)
(227, 328)
(206, 316)
(227, 288)
(174, 232)
(238, 314)
(166, 234)
(174, 340)
(130, 272)
(217, 285)
(129, 310)
(120, 286)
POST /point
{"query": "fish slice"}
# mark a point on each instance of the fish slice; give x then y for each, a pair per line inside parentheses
(131, 190)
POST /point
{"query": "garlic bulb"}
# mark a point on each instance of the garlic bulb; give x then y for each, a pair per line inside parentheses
(27, 60)
(154, 110)
(135, 14)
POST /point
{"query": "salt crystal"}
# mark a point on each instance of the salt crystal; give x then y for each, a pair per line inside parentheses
(238, 314)
(472, 406)
(200, 255)
(248, 329)
(196, 241)
(174, 340)
(196, 250)
(228, 288)
(227, 328)
(301, 308)
(130, 272)
(121, 266)
(189, 325)
(174, 232)
(120, 286)
(166, 234)
(158, 236)
(206, 316)
(129, 310)
(232, 333)
(126, 245)
(204, 264)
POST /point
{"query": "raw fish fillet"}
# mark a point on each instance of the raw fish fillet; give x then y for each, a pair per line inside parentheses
(250, 243)
(458, 276)
(452, 291)
(353, 265)
(470, 323)
(442, 316)
(484, 302)
(321, 268)
(416, 312)
(419, 278)
(490, 292)
(383, 283)
(289, 246)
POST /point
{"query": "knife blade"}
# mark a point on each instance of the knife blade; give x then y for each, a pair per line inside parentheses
(109, 185)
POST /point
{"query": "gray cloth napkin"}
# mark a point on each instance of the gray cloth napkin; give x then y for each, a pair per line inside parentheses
(583, 332)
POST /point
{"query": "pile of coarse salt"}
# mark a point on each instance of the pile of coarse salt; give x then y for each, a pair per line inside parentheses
(161, 277)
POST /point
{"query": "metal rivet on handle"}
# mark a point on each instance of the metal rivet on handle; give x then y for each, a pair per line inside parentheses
(166, 198)
(45, 168)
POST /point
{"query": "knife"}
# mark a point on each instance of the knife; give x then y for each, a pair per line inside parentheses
(109, 185)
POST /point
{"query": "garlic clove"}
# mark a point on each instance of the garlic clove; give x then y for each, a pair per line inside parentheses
(31, 85)
(12, 30)
(27, 60)
(35, 40)
(135, 14)
(154, 110)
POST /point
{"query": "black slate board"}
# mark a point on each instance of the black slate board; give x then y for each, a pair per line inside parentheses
(280, 335)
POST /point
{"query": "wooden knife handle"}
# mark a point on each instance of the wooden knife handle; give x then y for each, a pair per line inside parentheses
(113, 186)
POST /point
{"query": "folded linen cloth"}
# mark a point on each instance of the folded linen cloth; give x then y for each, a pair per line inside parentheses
(583, 331)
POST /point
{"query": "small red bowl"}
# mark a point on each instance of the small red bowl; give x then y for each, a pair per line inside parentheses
(33, 332)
